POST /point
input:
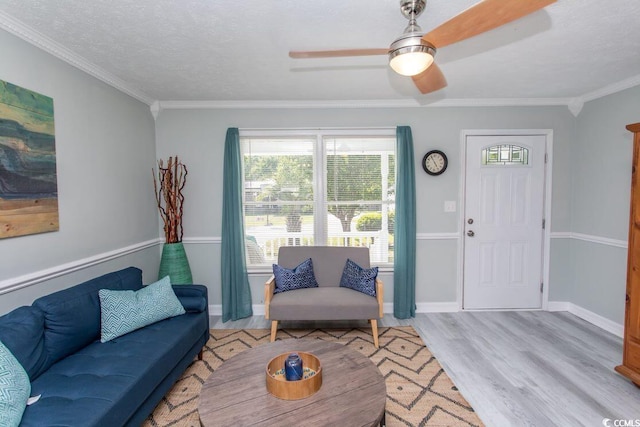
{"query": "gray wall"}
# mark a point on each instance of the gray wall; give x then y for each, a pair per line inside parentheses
(601, 181)
(197, 136)
(105, 148)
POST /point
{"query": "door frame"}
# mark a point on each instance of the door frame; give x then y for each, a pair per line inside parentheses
(546, 239)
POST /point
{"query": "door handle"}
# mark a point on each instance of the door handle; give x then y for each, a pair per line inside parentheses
(470, 233)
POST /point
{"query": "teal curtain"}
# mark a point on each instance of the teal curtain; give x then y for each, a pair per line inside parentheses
(236, 292)
(404, 260)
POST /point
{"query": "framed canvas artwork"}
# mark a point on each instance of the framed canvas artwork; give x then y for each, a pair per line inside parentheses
(28, 180)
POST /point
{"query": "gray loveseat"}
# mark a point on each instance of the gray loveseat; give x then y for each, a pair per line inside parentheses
(328, 301)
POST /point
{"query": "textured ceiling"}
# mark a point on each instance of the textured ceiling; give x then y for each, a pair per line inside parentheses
(221, 50)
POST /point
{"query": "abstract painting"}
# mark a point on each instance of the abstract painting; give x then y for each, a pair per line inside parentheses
(28, 179)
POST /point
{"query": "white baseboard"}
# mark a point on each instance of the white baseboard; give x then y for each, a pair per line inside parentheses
(558, 306)
(591, 317)
(421, 307)
(216, 309)
(450, 307)
(437, 307)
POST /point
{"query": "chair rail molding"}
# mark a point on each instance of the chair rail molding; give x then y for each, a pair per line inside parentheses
(34, 278)
(590, 238)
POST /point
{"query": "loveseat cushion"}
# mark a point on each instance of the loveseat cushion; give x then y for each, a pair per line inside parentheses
(72, 316)
(103, 383)
(328, 303)
(22, 331)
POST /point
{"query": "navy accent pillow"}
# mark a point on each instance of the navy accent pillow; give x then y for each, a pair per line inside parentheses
(359, 279)
(299, 278)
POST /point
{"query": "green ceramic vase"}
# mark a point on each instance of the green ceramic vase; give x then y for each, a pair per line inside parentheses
(174, 263)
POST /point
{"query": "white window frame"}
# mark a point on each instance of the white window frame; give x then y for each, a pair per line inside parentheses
(319, 166)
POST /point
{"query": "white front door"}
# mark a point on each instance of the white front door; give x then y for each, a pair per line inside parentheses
(503, 234)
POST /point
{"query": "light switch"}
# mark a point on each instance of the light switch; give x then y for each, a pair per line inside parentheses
(450, 206)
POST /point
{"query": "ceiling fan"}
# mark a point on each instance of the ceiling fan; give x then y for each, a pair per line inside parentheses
(413, 52)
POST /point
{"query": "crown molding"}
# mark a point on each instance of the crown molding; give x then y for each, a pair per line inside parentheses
(28, 34)
(611, 89)
(226, 105)
(364, 103)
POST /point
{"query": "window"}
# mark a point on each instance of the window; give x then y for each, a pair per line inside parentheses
(505, 155)
(318, 187)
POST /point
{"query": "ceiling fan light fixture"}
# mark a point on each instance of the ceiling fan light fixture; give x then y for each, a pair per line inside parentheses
(411, 55)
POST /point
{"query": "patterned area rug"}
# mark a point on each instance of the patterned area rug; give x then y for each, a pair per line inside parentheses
(419, 392)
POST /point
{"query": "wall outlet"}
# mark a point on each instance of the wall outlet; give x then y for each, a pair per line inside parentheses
(450, 206)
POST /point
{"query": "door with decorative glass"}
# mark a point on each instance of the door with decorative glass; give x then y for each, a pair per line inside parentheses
(503, 234)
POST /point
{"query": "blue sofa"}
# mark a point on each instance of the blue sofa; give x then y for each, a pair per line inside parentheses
(84, 382)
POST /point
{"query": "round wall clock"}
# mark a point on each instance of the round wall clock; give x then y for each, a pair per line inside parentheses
(435, 162)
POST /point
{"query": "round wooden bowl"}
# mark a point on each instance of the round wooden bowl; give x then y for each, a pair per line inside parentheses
(293, 390)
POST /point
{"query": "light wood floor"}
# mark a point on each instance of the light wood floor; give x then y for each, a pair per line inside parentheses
(521, 368)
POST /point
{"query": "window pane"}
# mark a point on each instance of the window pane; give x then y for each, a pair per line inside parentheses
(278, 196)
(289, 225)
(360, 177)
(505, 155)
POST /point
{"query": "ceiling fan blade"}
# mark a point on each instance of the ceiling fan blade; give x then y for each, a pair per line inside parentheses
(430, 80)
(337, 53)
(481, 17)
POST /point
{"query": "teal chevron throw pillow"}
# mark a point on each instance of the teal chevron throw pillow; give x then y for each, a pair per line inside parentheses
(122, 312)
(14, 388)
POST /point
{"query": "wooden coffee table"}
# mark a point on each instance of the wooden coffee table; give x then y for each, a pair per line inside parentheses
(353, 391)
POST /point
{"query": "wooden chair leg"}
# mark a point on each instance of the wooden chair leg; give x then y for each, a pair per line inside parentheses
(274, 330)
(374, 331)
(201, 354)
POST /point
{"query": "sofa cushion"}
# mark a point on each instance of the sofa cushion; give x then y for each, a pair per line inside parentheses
(72, 316)
(126, 311)
(359, 279)
(103, 384)
(14, 388)
(327, 260)
(328, 303)
(300, 277)
(22, 331)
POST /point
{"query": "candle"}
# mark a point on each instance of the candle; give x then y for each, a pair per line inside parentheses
(293, 367)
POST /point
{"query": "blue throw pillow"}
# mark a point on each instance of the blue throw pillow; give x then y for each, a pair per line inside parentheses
(14, 388)
(122, 312)
(359, 279)
(299, 278)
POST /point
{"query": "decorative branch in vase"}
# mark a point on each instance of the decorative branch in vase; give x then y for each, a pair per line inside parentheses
(169, 197)
(168, 185)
